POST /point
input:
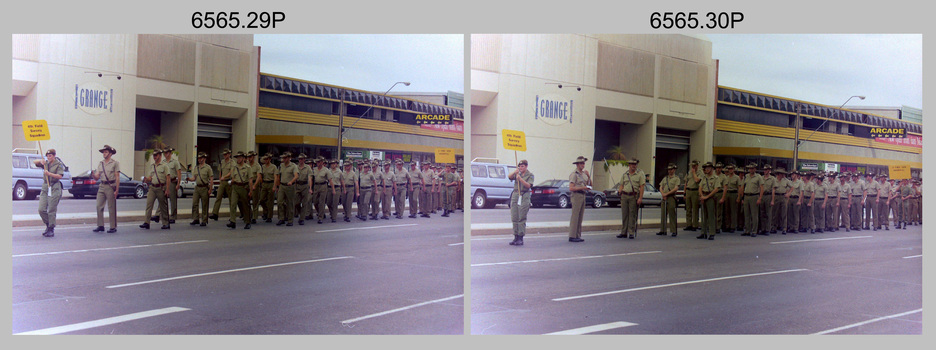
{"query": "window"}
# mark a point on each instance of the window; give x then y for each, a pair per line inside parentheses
(19, 162)
(478, 171)
(497, 172)
(32, 164)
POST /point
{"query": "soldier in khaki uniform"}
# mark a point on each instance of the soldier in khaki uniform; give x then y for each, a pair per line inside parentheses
(52, 172)
(729, 198)
(202, 175)
(806, 213)
(579, 182)
(895, 202)
(368, 182)
(692, 179)
(844, 194)
(631, 191)
(778, 201)
(870, 201)
(882, 203)
(906, 194)
(425, 201)
(267, 176)
(256, 185)
(449, 181)
(708, 188)
(765, 219)
(399, 180)
(158, 179)
(414, 189)
(108, 170)
(285, 188)
(520, 200)
(303, 189)
(857, 200)
(240, 194)
(224, 187)
(719, 207)
(668, 187)
(321, 177)
(460, 190)
(349, 188)
(831, 220)
(175, 172)
(794, 202)
(818, 203)
(752, 193)
(333, 195)
(436, 188)
(383, 192)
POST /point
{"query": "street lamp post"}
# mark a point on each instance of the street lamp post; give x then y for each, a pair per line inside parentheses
(798, 125)
(341, 114)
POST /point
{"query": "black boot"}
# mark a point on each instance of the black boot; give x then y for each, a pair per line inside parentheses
(145, 225)
(49, 231)
(519, 240)
(98, 229)
(514, 242)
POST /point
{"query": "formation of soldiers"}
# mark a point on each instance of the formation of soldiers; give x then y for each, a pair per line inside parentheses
(307, 189)
(810, 201)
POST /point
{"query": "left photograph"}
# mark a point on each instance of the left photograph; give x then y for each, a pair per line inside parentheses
(237, 184)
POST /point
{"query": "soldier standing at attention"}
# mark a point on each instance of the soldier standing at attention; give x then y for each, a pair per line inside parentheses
(285, 188)
(255, 185)
(414, 189)
(729, 198)
(268, 177)
(882, 203)
(240, 196)
(202, 175)
(752, 193)
(831, 220)
(383, 190)
(693, 177)
(844, 194)
(449, 181)
(425, 202)
(869, 202)
(708, 188)
(579, 182)
(349, 188)
(520, 200)
(109, 170)
(895, 202)
(806, 212)
(766, 213)
(460, 193)
(175, 171)
(779, 201)
(818, 204)
(668, 187)
(224, 188)
(631, 191)
(334, 185)
(303, 193)
(368, 182)
(857, 199)
(794, 202)
(719, 207)
(321, 177)
(52, 170)
(906, 192)
(158, 180)
(399, 188)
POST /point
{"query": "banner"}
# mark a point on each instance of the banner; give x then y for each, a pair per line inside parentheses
(445, 155)
(909, 140)
(36, 130)
(514, 140)
(899, 172)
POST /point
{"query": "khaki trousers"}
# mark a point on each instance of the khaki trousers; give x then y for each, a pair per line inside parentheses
(578, 214)
(107, 194)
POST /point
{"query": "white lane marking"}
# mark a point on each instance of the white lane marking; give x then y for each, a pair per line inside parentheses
(913, 256)
(226, 271)
(401, 309)
(365, 228)
(676, 284)
(562, 259)
(868, 321)
(105, 249)
(592, 329)
(454, 244)
(104, 322)
(819, 239)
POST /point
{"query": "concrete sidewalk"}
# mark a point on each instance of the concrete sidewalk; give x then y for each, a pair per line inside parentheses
(563, 226)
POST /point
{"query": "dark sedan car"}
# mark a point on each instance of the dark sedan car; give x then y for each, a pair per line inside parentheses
(84, 185)
(556, 192)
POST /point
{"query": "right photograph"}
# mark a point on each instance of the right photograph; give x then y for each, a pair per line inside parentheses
(696, 184)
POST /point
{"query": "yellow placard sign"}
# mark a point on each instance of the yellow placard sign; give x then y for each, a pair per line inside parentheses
(899, 172)
(36, 130)
(445, 155)
(514, 140)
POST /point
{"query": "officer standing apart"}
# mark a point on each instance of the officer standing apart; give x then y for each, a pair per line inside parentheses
(109, 170)
(52, 170)
(224, 188)
(752, 192)
(158, 179)
(708, 188)
(202, 177)
(240, 195)
(668, 187)
(579, 182)
(631, 191)
(693, 177)
(729, 198)
(520, 200)
(285, 188)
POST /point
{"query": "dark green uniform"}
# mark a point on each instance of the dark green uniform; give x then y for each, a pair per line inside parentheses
(520, 203)
(51, 193)
(668, 206)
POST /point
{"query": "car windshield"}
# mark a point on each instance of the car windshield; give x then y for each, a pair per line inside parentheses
(550, 183)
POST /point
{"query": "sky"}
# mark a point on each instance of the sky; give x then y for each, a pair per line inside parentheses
(827, 69)
(371, 62)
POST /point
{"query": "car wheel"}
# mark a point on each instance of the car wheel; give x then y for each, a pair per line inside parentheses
(20, 191)
(139, 192)
(479, 200)
(597, 202)
(181, 193)
(563, 202)
(78, 196)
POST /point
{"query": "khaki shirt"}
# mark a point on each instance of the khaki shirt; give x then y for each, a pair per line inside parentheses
(732, 182)
(157, 173)
(809, 188)
(368, 180)
(798, 187)
(906, 191)
(321, 176)
(348, 178)
(857, 187)
(109, 171)
(668, 183)
(781, 186)
(819, 190)
(399, 176)
(709, 184)
(288, 173)
(448, 179)
(268, 172)
(832, 189)
(226, 167)
(769, 183)
(254, 170)
(752, 184)
(174, 168)
(844, 189)
(429, 179)
(335, 177)
(872, 188)
(415, 177)
(630, 183)
(203, 175)
(240, 173)
(56, 167)
(379, 176)
(691, 184)
(305, 171)
(883, 189)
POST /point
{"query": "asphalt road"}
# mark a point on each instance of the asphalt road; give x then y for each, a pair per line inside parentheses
(376, 277)
(861, 282)
(501, 214)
